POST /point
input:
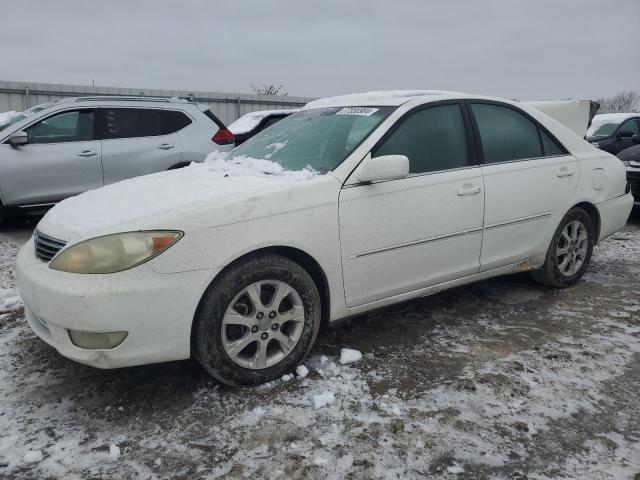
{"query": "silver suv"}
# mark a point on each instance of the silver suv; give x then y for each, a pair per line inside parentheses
(60, 149)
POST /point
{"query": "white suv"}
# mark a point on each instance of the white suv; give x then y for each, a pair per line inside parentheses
(57, 150)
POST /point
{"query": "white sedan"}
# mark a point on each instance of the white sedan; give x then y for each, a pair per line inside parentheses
(354, 203)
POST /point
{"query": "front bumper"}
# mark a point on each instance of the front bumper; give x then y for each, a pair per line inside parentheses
(155, 309)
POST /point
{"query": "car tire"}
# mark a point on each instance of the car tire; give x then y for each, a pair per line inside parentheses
(570, 251)
(257, 321)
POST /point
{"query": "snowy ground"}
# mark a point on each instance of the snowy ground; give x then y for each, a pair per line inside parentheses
(501, 379)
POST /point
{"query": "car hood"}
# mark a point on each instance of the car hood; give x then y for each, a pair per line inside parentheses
(188, 199)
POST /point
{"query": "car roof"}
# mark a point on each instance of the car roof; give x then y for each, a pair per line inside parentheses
(124, 100)
(392, 98)
(614, 117)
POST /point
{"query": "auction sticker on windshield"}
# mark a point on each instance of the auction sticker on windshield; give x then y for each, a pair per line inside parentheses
(362, 111)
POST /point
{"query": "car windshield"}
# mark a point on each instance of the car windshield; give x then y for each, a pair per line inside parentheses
(9, 118)
(320, 138)
(605, 129)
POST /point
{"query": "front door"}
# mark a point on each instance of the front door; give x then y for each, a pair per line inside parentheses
(402, 235)
(62, 159)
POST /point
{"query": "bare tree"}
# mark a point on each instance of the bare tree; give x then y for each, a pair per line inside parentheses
(265, 89)
(622, 102)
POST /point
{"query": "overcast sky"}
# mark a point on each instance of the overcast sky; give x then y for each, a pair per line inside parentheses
(528, 49)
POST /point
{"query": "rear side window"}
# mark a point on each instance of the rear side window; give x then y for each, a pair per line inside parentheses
(433, 139)
(549, 146)
(69, 126)
(172, 121)
(141, 122)
(131, 122)
(508, 135)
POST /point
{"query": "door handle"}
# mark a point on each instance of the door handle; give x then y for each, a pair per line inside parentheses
(565, 172)
(87, 153)
(468, 189)
(166, 146)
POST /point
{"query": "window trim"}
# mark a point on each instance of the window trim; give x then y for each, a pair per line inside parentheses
(102, 124)
(472, 159)
(478, 141)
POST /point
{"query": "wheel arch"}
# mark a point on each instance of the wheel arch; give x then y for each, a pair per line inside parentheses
(305, 260)
(594, 214)
(179, 165)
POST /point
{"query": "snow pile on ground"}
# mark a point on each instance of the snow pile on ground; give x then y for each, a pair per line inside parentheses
(9, 299)
(220, 164)
(348, 355)
(249, 121)
(497, 380)
(323, 399)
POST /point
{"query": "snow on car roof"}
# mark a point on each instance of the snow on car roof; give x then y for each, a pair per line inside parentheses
(613, 117)
(249, 121)
(381, 98)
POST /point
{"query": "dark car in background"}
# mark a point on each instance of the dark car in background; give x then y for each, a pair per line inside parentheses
(254, 122)
(614, 132)
(631, 159)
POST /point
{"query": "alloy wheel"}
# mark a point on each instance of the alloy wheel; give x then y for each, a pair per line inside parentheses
(262, 324)
(572, 247)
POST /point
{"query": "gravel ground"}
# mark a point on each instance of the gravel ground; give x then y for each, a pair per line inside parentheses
(501, 379)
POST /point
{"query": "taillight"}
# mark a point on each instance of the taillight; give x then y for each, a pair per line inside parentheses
(223, 137)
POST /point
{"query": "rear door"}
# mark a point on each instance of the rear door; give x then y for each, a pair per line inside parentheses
(137, 141)
(529, 179)
(62, 159)
(402, 235)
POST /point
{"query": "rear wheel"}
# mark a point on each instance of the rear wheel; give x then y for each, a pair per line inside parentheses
(257, 321)
(570, 251)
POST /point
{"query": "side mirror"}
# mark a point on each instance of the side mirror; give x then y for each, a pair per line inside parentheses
(18, 139)
(625, 134)
(386, 167)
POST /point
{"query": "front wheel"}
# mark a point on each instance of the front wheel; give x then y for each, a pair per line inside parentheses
(570, 251)
(257, 321)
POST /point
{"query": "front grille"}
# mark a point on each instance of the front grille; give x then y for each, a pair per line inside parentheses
(47, 247)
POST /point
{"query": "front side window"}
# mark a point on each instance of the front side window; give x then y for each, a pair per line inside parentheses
(506, 134)
(131, 122)
(70, 126)
(320, 138)
(433, 139)
(629, 128)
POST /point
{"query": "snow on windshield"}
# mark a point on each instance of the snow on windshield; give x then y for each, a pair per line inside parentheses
(219, 163)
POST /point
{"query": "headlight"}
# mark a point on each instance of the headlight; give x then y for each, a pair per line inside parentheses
(114, 253)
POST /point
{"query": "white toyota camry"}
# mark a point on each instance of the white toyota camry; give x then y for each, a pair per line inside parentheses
(354, 203)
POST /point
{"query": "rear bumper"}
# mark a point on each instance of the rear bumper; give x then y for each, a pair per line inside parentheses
(614, 214)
